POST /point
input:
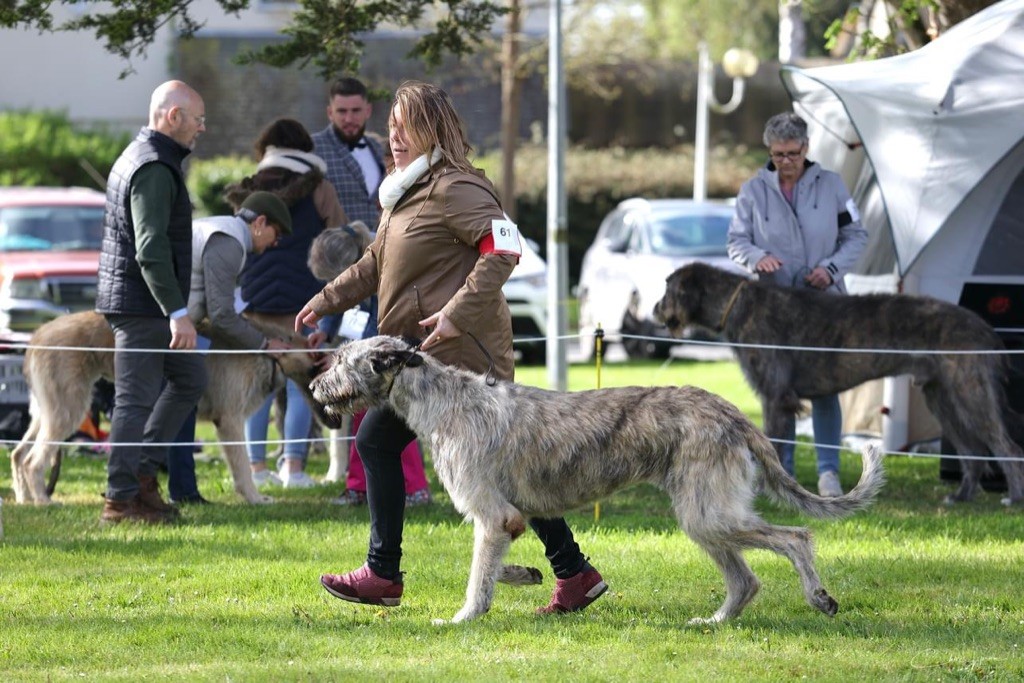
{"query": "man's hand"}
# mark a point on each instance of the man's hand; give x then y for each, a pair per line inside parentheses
(316, 340)
(819, 278)
(768, 264)
(443, 329)
(275, 344)
(307, 317)
(183, 333)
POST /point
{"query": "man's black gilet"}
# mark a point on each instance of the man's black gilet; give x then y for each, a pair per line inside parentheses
(121, 288)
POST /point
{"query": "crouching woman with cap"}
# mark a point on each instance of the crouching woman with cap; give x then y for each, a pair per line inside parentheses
(220, 247)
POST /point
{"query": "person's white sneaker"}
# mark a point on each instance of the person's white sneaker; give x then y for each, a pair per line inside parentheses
(297, 480)
(828, 485)
(265, 478)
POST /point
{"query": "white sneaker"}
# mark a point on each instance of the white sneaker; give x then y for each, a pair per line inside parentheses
(828, 485)
(297, 480)
(265, 478)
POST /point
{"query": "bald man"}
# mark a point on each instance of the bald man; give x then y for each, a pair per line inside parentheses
(144, 276)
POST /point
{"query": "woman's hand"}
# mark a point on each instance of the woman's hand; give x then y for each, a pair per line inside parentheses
(443, 329)
(307, 317)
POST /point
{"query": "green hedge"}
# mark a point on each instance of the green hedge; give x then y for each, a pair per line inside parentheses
(45, 148)
(207, 179)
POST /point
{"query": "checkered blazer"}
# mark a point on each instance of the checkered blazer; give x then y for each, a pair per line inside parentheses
(347, 177)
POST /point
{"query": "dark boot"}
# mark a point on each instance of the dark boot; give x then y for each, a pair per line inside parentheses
(149, 495)
(132, 510)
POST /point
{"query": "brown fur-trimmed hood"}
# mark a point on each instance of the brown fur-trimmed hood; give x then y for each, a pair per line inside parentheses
(288, 185)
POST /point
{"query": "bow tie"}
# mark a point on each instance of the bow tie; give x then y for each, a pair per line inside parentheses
(353, 146)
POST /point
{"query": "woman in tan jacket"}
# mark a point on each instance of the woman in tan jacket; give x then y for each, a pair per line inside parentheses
(442, 253)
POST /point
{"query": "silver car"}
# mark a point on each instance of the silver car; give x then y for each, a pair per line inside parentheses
(638, 245)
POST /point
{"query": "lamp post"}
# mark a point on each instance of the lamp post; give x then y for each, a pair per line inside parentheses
(738, 64)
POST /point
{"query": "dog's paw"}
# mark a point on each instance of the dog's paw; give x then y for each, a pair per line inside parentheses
(704, 621)
(825, 602)
(1008, 502)
(261, 499)
(467, 613)
(518, 575)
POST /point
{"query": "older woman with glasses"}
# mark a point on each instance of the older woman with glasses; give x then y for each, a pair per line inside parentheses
(796, 226)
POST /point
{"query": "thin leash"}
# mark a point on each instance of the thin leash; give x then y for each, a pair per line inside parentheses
(401, 366)
(490, 379)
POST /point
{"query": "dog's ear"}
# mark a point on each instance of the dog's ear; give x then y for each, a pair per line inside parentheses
(411, 341)
(385, 360)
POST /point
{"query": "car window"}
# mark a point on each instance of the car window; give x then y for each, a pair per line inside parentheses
(689, 235)
(614, 227)
(42, 228)
(636, 235)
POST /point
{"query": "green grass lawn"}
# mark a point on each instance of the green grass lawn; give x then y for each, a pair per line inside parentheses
(231, 593)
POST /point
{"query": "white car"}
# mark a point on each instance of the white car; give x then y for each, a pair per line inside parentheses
(526, 291)
(638, 245)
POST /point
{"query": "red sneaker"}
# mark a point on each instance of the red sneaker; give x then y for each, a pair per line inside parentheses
(363, 586)
(575, 593)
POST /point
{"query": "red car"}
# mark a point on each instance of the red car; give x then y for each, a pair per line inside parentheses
(49, 255)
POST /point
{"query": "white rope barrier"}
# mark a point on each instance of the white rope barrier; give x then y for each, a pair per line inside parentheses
(533, 340)
(526, 340)
(107, 444)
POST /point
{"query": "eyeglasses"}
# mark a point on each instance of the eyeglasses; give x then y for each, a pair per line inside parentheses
(201, 120)
(792, 156)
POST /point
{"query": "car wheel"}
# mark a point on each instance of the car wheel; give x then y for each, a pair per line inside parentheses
(633, 326)
(533, 354)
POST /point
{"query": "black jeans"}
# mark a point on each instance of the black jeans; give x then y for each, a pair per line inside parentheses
(381, 438)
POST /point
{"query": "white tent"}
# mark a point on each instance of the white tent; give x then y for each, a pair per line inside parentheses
(931, 144)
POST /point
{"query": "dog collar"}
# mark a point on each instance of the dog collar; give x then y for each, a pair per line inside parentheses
(728, 306)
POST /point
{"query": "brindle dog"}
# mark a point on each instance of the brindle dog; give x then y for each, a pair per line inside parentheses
(965, 392)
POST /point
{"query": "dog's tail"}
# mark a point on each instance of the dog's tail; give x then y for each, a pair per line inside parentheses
(785, 489)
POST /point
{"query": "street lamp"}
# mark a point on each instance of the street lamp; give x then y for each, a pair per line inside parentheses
(738, 64)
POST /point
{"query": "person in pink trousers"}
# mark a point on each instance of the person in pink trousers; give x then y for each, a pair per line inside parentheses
(334, 250)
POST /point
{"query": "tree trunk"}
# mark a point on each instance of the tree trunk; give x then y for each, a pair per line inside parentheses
(510, 85)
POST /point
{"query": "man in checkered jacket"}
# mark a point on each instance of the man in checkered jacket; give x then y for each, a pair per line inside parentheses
(355, 162)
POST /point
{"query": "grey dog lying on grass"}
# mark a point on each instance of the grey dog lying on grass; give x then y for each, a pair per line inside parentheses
(505, 452)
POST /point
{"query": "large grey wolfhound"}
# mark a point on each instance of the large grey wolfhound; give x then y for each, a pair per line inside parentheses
(61, 387)
(506, 452)
(965, 392)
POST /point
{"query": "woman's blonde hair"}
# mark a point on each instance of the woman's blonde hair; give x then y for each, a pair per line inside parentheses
(431, 121)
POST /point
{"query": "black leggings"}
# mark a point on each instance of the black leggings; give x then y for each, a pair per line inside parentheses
(381, 438)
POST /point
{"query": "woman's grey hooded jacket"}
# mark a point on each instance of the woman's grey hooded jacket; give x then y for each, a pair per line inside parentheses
(821, 228)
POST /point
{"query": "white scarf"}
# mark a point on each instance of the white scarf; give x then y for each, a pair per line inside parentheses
(291, 159)
(397, 183)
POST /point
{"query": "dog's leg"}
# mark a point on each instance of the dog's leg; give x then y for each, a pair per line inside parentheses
(229, 429)
(971, 472)
(741, 584)
(38, 462)
(19, 458)
(491, 542)
(338, 449)
(962, 430)
(1014, 471)
(795, 544)
(779, 421)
